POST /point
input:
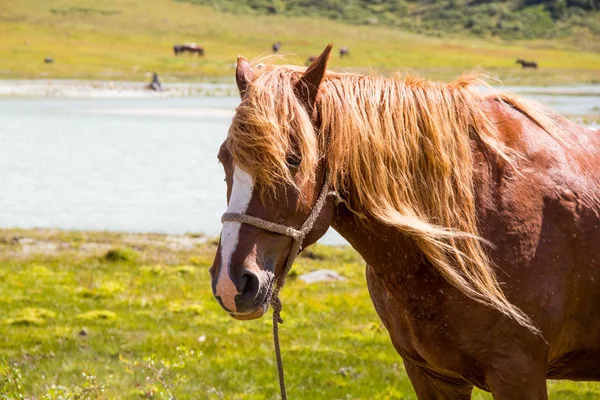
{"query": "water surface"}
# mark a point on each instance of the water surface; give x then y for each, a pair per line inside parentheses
(145, 164)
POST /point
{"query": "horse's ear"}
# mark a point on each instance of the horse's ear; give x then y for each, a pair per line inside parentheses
(243, 74)
(307, 87)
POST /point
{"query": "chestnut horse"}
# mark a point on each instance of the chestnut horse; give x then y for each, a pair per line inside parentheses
(478, 217)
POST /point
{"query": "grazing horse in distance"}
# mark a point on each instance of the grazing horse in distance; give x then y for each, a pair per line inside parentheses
(478, 216)
(276, 47)
(188, 47)
(527, 64)
(344, 51)
(310, 60)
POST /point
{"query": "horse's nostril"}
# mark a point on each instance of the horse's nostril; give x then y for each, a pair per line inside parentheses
(250, 284)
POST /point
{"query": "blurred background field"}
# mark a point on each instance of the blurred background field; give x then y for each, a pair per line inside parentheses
(130, 316)
(129, 39)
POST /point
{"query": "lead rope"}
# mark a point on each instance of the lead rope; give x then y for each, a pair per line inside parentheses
(298, 236)
(277, 307)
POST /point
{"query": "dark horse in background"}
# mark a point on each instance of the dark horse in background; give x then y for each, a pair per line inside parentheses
(310, 60)
(527, 64)
(188, 47)
(478, 217)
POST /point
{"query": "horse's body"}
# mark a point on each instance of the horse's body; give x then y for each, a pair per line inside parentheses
(539, 207)
(188, 47)
(344, 51)
(527, 64)
(548, 255)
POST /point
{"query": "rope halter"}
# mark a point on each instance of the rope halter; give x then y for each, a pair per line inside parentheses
(298, 236)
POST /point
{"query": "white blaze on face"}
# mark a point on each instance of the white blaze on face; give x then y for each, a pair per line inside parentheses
(241, 193)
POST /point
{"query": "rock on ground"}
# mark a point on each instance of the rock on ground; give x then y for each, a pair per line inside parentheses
(322, 275)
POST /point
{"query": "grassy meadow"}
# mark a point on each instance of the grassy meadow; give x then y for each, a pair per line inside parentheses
(90, 315)
(128, 39)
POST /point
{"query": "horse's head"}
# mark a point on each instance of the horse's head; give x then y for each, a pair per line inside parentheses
(275, 172)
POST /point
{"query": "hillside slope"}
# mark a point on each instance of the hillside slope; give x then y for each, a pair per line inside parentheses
(510, 19)
(128, 39)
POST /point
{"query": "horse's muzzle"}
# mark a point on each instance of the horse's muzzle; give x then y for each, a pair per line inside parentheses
(254, 291)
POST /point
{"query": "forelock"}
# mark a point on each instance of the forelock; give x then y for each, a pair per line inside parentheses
(269, 126)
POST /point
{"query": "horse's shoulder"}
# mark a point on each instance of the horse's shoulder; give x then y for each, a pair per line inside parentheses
(556, 155)
(546, 176)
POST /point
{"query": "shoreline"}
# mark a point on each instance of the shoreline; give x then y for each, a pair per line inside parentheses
(75, 88)
(39, 238)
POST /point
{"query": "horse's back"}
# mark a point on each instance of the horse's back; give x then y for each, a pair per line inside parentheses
(544, 217)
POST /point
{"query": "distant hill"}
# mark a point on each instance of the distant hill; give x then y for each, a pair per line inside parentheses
(131, 39)
(508, 19)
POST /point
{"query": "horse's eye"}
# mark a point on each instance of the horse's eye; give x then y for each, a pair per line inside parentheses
(293, 161)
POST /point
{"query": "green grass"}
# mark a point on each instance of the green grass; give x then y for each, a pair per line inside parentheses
(78, 322)
(128, 39)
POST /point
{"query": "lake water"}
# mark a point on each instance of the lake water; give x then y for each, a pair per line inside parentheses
(143, 164)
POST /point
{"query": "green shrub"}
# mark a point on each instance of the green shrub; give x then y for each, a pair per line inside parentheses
(97, 315)
(31, 317)
(123, 254)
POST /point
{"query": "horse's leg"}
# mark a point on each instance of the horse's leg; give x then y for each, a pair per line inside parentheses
(518, 383)
(430, 387)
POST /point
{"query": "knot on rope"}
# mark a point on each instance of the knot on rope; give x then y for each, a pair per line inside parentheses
(277, 307)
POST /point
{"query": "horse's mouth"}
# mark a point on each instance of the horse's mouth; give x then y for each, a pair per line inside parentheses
(245, 317)
(255, 314)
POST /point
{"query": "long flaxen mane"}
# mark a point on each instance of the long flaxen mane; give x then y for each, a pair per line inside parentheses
(397, 150)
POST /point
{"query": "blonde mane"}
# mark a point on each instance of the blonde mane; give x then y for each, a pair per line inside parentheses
(397, 150)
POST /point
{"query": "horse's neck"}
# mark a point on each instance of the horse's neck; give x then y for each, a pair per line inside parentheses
(385, 249)
(396, 267)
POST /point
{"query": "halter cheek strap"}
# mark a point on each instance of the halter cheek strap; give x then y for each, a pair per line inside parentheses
(298, 236)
